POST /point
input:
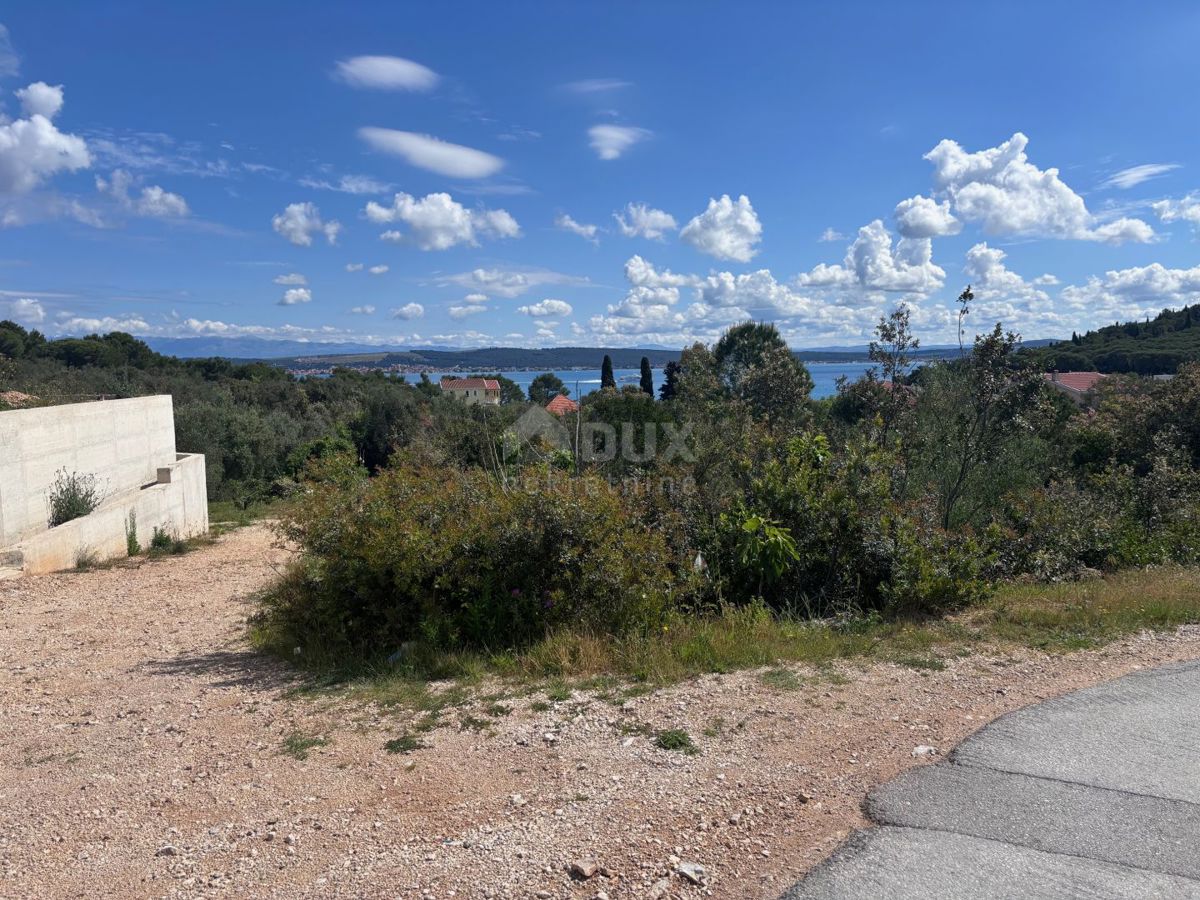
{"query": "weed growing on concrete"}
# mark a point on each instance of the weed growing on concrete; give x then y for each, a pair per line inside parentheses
(132, 547)
(72, 496)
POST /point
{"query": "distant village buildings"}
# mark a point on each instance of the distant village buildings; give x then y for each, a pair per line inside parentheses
(476, 391)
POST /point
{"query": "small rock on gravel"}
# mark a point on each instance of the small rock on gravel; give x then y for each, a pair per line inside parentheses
(583, 869)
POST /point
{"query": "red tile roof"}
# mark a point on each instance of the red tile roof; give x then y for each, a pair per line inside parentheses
(466, 384)
(561, 405)
(1074, 381)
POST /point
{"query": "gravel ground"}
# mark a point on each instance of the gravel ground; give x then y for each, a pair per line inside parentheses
(142, 754)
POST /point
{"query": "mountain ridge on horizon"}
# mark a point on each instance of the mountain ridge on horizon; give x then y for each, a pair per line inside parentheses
(253, 348)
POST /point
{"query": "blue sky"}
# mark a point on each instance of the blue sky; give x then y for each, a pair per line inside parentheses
(615, 174)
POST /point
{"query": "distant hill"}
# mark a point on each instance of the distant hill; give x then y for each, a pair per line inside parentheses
(488, 359)
(326, 354)
(254, 348)
(1155, 347)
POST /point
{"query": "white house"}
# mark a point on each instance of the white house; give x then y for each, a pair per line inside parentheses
(473, 390)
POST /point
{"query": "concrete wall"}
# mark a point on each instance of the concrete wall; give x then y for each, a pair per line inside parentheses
(177, 503)
(122, 442)
(130, 446)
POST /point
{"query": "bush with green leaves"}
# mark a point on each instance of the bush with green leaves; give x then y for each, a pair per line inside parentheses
(462, 558)
(821, 533)
(73, 495)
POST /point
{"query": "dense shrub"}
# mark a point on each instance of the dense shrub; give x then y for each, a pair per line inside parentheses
(822, 533)
(1107, 521)
(454, 557)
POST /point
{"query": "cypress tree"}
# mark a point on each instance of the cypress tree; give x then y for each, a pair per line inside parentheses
(647, 377)
(606, 374)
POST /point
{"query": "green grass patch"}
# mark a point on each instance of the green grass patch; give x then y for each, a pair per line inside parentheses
(676, 740)
(781, 679)
(227, 515)
(297, 744)
(406, 743)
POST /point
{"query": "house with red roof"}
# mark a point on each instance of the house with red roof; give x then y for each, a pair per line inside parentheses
(561, 405)
(1076, 385)
(476, 391)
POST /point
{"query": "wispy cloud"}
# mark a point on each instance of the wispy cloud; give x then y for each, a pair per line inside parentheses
(10, 63)
(387, 73)
(427, 152)
(1135, 175)
(348, 184)
(611, 141)
(596, 85)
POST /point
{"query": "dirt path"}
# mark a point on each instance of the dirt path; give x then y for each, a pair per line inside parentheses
(141, 754)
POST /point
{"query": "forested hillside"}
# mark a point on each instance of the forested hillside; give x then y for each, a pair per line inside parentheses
(1154, 347)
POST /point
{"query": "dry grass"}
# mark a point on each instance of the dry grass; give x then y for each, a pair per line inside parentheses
(1052, 618)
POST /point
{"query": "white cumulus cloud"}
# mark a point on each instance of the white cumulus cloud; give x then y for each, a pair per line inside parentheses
(32, 149)
(611, 141)
(389, 73)
(1186, 209)
(726, 230)
(1002, 191)
(409, 311)
(433, 154)
(653, 307)
(366, 310)
(41, 99)
(544, 308)
(873, 263)
(24, 311)
(439, 222)
(638, 219)
(921, 217)
(463, 311)
(299, 222)
(292, 296)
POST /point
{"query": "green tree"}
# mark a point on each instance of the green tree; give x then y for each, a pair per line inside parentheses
(606, 373)
(755, 365)
(975, 420)
(647, 377)
(892, 352)
(670, 385)
(546, 387)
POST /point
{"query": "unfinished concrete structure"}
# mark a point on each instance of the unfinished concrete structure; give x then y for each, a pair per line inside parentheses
(129, 447)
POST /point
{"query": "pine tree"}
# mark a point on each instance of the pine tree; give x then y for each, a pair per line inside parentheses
(606, 374)
(670, 385)
(647, 377)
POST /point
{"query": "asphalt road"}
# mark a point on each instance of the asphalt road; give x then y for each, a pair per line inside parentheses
(1095, 794)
